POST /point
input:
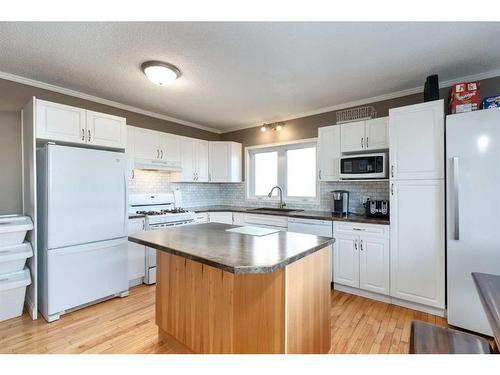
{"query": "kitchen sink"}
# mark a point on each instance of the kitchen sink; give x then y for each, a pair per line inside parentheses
(274, 209)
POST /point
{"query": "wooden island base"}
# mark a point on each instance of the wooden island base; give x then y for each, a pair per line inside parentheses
(209, 310)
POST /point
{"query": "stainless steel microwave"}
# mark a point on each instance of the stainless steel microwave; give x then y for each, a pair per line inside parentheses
(364, 166)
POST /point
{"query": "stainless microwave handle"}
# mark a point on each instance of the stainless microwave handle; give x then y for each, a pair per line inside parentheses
(455, 200)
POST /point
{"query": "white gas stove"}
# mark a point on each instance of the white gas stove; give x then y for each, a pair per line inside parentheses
(162, 211)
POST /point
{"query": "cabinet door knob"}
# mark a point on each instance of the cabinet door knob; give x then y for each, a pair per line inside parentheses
(83, 134)
(362, 144)
(392, 170)
(392, 189)
(366, 142)
(157, 153)
(361, 245)
(89, 135)
(161, 154)
(355, 244)
(320, 174)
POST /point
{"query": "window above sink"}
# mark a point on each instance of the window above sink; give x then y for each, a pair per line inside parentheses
(291, 166)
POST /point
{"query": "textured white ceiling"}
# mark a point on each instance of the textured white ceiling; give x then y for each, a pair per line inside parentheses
(239, 74)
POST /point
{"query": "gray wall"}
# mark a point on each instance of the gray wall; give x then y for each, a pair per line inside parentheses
(10, 162)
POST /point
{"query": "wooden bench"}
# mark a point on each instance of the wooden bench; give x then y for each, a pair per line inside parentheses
(430, 339)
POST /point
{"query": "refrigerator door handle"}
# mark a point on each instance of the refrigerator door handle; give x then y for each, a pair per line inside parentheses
(455, 200)
(125, 220)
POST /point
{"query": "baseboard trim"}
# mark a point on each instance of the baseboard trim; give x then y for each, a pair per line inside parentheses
(362, 293)
(391, 300)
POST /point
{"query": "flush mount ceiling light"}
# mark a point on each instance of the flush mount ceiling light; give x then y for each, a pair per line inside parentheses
(160, 73)
(278, 126)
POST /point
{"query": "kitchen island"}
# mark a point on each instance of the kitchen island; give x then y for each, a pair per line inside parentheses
(225, 292)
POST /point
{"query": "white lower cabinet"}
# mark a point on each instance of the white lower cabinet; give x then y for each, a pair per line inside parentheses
(136, 253)
(361, 256)
(374, 260)
(346, 260)
(221, 217)
(418, 242)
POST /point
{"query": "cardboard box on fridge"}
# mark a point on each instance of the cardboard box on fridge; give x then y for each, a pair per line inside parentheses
(464, 97)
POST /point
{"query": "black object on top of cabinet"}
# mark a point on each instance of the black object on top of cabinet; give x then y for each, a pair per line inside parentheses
(431, 88)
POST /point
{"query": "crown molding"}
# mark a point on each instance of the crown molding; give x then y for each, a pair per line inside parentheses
(373, 99)
(92, 98)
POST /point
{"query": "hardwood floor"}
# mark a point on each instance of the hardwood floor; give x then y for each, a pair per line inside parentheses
(126, 325)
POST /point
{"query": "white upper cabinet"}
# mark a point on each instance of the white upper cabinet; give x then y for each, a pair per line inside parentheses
(377, 134)
(170, 148)
(202, 152)
(153, 149)
(146, 146)
(329, 153)
(364, 135)
(418, 241)
(416, 137)
(106, 130)
(224, 162)
(194, 160)
(59, 122)
(353, 136)
(188, 160)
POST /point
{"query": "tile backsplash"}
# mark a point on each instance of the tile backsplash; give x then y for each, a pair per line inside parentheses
(203, 194)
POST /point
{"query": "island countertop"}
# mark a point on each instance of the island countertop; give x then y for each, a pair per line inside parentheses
(233, 252)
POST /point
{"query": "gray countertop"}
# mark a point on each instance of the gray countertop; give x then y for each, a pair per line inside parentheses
(211, 244)
(318, 215)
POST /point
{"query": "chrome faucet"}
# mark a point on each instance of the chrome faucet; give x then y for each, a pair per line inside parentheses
(282, 204)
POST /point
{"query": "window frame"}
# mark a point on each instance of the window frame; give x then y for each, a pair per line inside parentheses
(281, 148)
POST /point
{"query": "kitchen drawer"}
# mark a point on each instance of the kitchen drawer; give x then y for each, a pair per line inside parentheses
(225, 217)
(266, 220)
(373, 230)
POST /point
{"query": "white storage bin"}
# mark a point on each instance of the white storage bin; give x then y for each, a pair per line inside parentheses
(13, 229)
(12, 291)
(13, 257)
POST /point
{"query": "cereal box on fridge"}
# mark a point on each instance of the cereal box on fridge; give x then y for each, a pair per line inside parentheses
(464, 97)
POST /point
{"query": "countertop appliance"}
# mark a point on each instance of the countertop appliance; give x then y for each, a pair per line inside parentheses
(161, 213)
(473, 218)
(364, 166)
(312, 226)
(82, 237)
(340, 205)
(377, 208)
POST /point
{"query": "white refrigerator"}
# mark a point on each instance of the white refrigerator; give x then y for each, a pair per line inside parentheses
(82, 216)
(473, 212)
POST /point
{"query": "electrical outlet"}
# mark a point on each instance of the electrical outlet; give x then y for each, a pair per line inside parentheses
(364, 198)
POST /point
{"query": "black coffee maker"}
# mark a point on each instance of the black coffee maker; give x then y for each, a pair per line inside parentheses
(340, 205)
